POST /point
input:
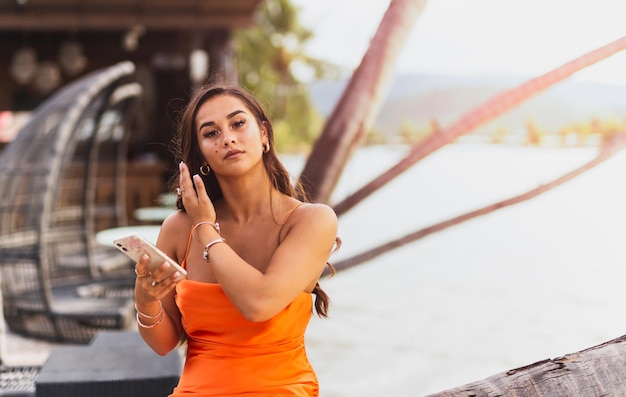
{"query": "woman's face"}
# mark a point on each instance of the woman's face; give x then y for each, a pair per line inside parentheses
(229, 136)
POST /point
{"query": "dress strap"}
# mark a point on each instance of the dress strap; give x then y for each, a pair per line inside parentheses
(187, 250)
(291, 212)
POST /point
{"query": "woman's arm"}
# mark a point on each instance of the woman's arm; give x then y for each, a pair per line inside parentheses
(158, 316)
(295, 265)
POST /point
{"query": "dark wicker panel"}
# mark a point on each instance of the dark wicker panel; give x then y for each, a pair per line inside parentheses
(60, 182)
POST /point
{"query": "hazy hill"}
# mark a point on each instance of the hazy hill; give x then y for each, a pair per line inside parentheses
(416, 99)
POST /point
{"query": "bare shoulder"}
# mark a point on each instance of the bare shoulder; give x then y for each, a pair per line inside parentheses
(174, 234)
(178, 222)
(315, 216)
(317, 209)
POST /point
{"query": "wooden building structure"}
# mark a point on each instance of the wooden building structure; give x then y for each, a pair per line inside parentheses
(175, 45)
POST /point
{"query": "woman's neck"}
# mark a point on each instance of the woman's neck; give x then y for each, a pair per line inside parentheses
(244, 199)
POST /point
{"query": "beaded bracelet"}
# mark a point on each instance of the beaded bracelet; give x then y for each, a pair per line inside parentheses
(142, 325)
(205, 254)
(147, 315)
(215, 225)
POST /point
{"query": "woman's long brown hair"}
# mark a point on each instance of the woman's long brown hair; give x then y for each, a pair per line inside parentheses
(187, 149)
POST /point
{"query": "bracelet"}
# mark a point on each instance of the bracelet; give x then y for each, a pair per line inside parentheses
(215, 225)
(205, 254)
(142, 325)
(148, 316)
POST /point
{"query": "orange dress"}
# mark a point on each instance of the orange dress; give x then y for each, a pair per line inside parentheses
(228, 355)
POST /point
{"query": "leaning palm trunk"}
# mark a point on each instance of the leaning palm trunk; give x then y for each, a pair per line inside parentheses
(360, 102)
(607, 151)
(480, 115)
(593, 372)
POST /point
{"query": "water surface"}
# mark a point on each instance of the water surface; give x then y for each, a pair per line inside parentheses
(537, 280)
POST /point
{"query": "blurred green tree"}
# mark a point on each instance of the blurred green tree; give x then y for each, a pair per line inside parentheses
(273, 65)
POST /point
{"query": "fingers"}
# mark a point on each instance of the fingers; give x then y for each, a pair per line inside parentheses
(190, 187)
(147, 293)
(161, 278)
(196, 200)
(140, 267)
(199, 185)
(186, 182)
(185, 185)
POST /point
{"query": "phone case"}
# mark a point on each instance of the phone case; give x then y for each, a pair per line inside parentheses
(135, 246)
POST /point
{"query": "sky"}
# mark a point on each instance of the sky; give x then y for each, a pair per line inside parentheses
(464, 37)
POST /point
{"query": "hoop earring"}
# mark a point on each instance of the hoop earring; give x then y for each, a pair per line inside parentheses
(266, 147)
(205, 170)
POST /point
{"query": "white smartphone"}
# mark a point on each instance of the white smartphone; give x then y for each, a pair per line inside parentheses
(135, 246)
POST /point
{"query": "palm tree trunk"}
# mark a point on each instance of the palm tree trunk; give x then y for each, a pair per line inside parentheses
(360, 102)
(480, 115)
(604, 155)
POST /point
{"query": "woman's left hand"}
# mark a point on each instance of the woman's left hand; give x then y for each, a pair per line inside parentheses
(197, 205)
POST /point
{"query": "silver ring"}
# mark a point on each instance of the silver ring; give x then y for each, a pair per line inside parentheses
(144, 274)
(179, 191)
(154, 283)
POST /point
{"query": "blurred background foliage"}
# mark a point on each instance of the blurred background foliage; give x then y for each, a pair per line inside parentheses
(273, 65)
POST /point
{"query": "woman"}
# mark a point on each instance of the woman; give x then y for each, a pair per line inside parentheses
(253, 254)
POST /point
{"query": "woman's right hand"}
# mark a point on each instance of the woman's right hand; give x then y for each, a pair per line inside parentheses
(197, 202)
(153, 286)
